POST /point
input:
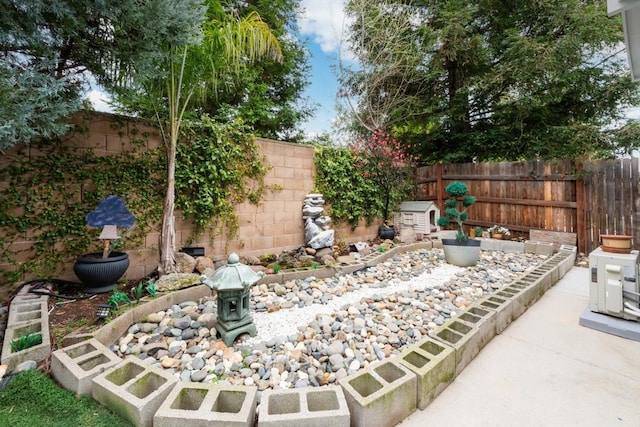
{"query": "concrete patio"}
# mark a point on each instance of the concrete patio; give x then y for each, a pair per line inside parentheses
(545, 370)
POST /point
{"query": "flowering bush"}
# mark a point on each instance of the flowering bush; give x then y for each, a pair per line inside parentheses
(383, 161)
(497, 229)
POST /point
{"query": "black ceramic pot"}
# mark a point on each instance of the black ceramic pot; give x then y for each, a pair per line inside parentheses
(387, 232)
(100, 275)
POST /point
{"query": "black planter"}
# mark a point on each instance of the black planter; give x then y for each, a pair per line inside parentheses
(100, 275)
(387, 232)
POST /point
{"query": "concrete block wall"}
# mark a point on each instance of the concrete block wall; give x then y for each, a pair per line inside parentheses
(272, 227)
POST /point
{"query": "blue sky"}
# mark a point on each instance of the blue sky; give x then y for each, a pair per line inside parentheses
(321, 28)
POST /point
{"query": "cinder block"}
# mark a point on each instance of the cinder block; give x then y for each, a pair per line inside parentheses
(548, 272)
(27, 312)
(523, 294)
(382, 395)
(350, 267)
(503, 309)
(309, 407)
(38, 352)
(490, 244)
(483, 319)
(567, 253)
(544, 248)
(207, 405)
(74, 367)
(541, 276)
(568, 248)
(530, 246)
(466, 339)
(511, 246)
(27, 298)
(434, 365)
(133, 390)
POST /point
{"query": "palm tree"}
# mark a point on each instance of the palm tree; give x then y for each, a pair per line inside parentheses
(223, 44)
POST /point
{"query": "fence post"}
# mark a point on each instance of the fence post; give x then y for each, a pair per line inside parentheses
(580, 223)
(439, 189)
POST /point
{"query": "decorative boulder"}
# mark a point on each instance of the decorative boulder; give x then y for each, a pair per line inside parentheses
(185, 263)
(323, 239)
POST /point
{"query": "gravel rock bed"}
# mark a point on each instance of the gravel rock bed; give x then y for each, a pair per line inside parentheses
(313, 332)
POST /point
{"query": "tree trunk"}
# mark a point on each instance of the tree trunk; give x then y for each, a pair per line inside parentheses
(168, 234)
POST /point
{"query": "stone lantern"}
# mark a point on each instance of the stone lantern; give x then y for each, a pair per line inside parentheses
(232, 283)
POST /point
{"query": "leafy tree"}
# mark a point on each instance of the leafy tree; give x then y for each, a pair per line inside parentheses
(388, 69)
(268, 95)
(51, 50)
(545, 79)
(223, 43)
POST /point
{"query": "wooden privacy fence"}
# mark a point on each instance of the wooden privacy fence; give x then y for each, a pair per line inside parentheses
(588, 199)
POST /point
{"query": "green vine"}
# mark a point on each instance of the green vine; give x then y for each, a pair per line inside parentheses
(350, 195)
(44, 198)
(47, 196)
(218, 166)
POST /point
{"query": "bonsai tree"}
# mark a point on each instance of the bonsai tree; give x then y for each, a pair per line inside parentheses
(455, 212)
(110, 214)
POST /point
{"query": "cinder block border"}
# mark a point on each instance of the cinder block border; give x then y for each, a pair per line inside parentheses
(74, 367)
(207, 405)
(434, 365)
(381, 395)
(309, 407)
(133, 390)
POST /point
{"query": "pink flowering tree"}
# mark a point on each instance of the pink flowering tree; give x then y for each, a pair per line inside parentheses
(385, 163)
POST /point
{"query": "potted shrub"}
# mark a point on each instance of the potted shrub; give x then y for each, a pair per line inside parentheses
(461, 251)
(498, 232)
(100, 271)
(476, 232)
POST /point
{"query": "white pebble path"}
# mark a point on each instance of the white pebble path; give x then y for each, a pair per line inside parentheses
(285, 322)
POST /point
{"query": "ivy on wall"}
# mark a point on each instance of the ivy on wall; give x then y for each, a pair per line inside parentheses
(364, 180)
(350, 195)
(48, 195)
(218, 165)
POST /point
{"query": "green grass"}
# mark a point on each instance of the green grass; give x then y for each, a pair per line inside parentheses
(34, 399)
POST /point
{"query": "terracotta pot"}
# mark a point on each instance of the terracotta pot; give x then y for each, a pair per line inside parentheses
(497, 236)
(618, 243)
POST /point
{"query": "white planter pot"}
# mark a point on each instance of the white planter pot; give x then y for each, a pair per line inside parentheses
(461, 253)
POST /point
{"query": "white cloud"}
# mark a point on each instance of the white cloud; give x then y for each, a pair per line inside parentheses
(100, 100)
(325, 22)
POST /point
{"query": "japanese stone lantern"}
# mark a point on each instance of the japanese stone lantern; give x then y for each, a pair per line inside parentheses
(232, 283)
